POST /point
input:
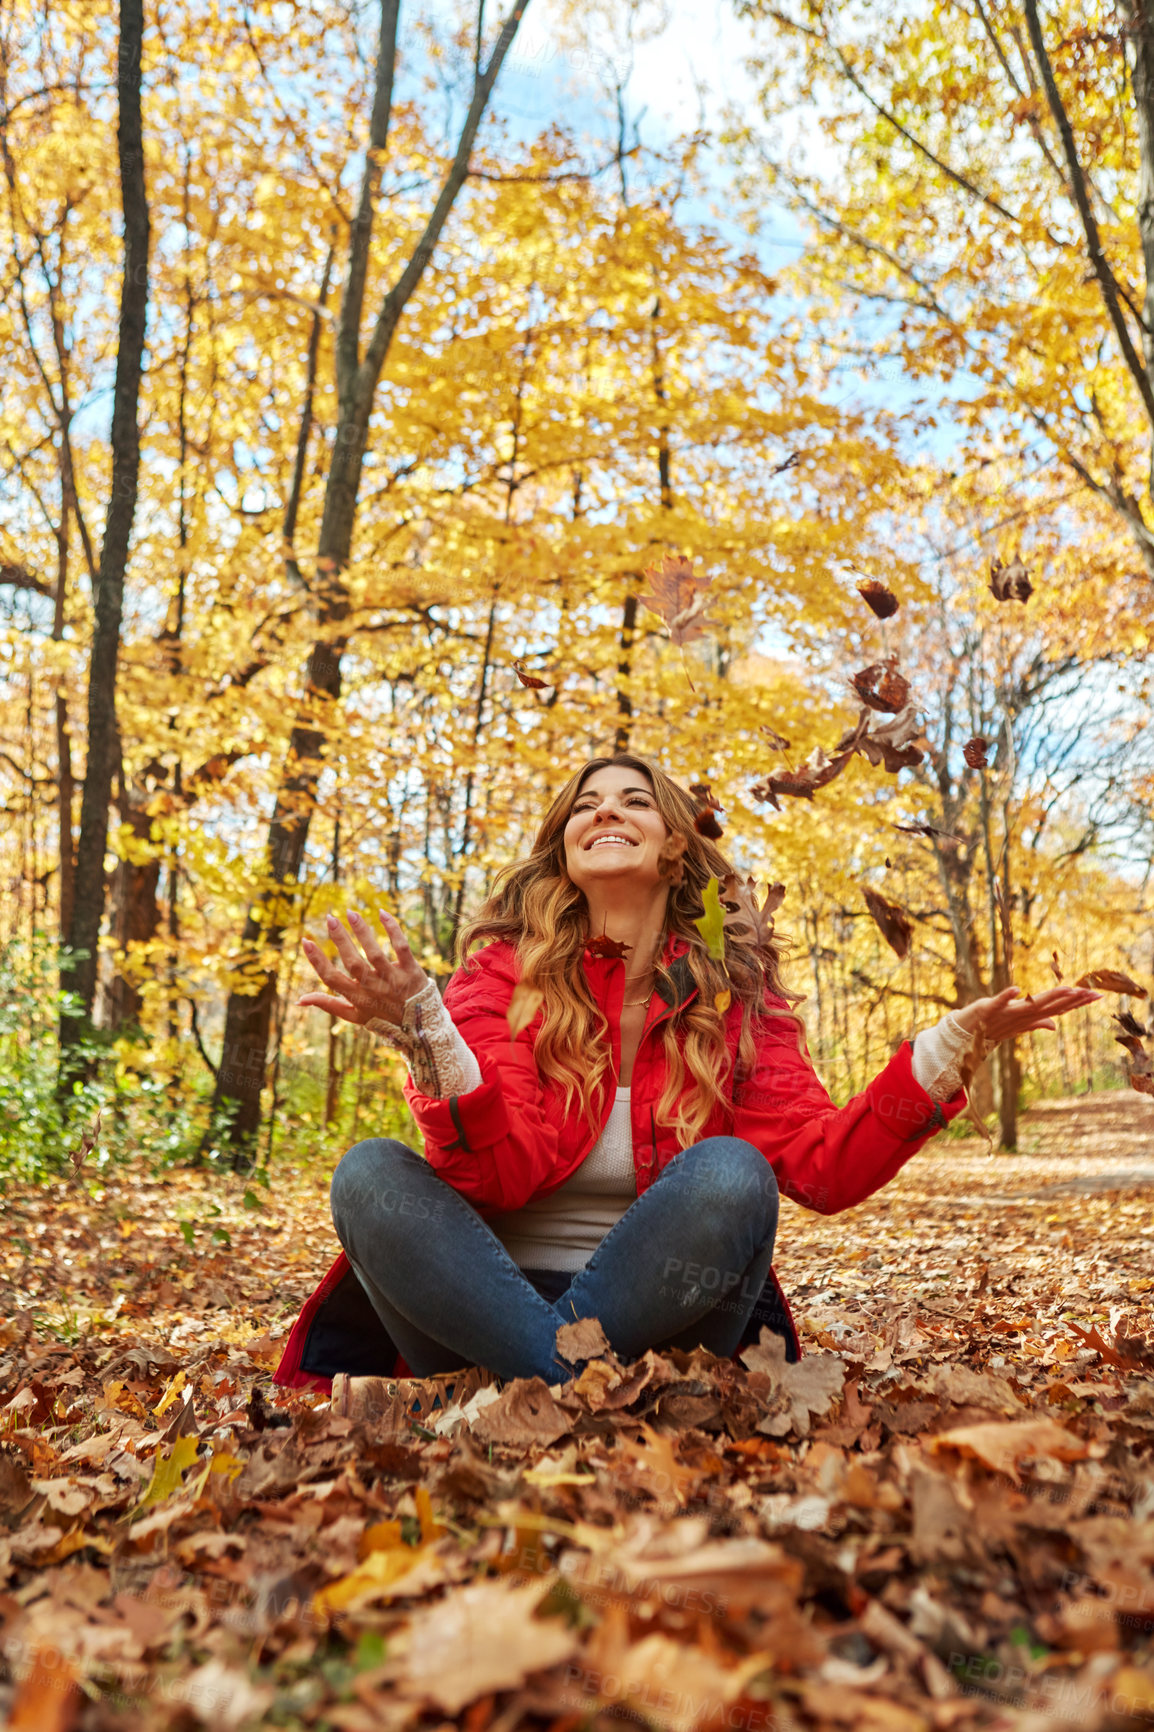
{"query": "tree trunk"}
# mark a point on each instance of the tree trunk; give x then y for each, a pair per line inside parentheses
(79, 975)
(1140, 29)
(236, 1098)
(135, 911)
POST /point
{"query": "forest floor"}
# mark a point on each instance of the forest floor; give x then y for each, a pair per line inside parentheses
(943, 1517)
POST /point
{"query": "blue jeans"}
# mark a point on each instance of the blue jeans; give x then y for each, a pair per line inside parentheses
(683, 1267)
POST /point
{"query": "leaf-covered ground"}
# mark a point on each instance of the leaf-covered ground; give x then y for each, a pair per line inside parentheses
(943, 1518)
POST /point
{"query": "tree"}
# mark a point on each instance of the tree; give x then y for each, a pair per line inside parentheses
(78, 976)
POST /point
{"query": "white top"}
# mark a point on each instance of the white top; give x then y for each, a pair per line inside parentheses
(562, 1230)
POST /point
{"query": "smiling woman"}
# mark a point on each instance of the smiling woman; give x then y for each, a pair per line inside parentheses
(620, 1156)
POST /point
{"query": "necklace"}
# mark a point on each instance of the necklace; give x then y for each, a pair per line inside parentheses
(632, 1003)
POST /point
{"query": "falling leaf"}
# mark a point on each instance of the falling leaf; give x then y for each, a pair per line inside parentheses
(1054, 968)
(881, 600)
(711, 925)
(897, 745)
(1010, 582)
(610, 948)
(1109, 980)
(894, 923)
(722, 1001)
(530, 680)
(705, 823)
(88, 1142)
(974, 752)
(816, 772)
(790, 462)
(524, 1004)
(881, 686)
(928, 830)
(584, 1339)
(670, 858)
(674, 586)
(745, 916)
(776, 740)
(1130, 1025)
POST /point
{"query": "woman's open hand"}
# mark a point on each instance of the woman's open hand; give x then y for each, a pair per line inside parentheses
(368, 985)
(997, 1019)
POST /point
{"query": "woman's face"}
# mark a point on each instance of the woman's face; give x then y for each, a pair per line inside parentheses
(614, 831)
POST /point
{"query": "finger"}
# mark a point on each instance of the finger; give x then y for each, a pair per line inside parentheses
(346, 949)
(369, 942)
(325, 1001)
(397, 937)
(321, 964)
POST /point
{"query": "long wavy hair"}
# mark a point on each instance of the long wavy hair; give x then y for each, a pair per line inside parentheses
(536, 907)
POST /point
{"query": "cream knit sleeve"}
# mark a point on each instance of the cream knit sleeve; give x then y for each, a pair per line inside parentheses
(938, 1052)
(439, 1062)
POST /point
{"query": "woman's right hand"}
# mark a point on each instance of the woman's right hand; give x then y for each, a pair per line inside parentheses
(368, 986)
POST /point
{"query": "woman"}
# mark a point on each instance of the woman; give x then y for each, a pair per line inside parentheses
(620, 1156)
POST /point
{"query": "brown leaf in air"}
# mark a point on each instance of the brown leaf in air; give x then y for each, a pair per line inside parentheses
(745, 916)
(674, 584)
(530, 680)
(1130, 1025)
(882, 601)
(1054, 968)
(705, 823)
(974, 752)
(815, 773)
(1010, 582)
(610, 948)
(1109, 980)
(524, 1004)
(881, 686)
(893, 922)
(584, 1339)
(776, 740)
(670, 859)
(928, 830)
(897, 745)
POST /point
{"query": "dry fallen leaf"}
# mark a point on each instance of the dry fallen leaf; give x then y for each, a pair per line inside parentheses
(1002, 1445)
(481, 1639)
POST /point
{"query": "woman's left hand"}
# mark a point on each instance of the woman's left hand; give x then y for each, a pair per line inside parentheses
(998, 1019)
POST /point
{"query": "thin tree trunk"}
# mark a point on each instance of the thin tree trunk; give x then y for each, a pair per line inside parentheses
(80, 973)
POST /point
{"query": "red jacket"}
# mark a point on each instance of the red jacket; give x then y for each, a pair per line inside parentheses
(509, 1140)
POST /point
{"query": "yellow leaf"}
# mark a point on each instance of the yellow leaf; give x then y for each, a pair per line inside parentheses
(379, 1570)
(722, 1001)
(380, 1537)
(171, 1393)
(431, 1529)
(168, 1471)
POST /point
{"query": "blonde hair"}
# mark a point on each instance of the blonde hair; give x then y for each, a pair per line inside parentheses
(537, 908)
